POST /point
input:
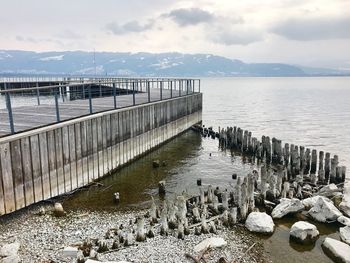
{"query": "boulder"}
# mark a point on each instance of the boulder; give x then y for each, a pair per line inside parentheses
(304, 232)
(260, 223)
(345, 234)
(324, 211)
(213, 242)
(344, 220)
(287, 206)
(58, 210)
(71, 252)
(345, 204)
(311, 201)
(9, 250)
(328, 189)
(338, 251)
(10, 259)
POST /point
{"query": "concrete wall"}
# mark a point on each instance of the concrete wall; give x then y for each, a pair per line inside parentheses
(46, 162)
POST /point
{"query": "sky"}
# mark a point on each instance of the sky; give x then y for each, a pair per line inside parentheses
(302, 32)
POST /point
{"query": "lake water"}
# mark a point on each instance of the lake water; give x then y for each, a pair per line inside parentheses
(314, 112)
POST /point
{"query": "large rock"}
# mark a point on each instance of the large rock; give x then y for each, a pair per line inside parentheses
(311, 201)
(338, 251)
(10, 259)
(344, 220)
(9, 250)
(70, 252)
(345, 204)
(304, 232)
(260, 223)
(345, 234)
(287, 206)
(324, 211)
(213, 242)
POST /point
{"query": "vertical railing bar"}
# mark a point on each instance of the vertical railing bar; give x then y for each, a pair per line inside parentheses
(114, 96)
(171, 89)
(90, 100)
(57, 106)
(37, 93)
(161, 89)
(149, 91)
(9, 110)
(133, 93)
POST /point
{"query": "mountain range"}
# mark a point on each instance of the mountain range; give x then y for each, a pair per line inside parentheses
(14, 62)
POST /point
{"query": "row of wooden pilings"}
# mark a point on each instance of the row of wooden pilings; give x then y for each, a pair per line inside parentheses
(297, 160)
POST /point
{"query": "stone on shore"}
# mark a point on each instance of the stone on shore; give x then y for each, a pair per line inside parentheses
(95, 261)
(260, 223)
(9, 250)
(311, 201)
(212, 242)
(71, 252)
(324, 211)
(345, 204)
(345, 234)
(304, 232)
(58, 210)
(338, 251)
(287, 206)
(10, 259)
(344, 220)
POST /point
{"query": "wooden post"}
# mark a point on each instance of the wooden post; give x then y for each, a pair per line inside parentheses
(327, 166)
(307, 161)
(334, 164)
(263, 181)
(313, 162)
(321, 173)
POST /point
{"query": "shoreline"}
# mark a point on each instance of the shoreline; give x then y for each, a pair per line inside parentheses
(42, 238)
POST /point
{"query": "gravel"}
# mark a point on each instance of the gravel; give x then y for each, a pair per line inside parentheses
(43, 238)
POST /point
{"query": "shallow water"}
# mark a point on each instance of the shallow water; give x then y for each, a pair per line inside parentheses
(314, 112)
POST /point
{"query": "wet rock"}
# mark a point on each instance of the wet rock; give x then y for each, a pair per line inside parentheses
(328, 190)
(9, 249)
(324, 211)
(344, 233)
(156, 163)
(212, 242)
(58, 210)
(260, 223)
(287, 206)
(338, 251)
(304, 232)
(344, 220)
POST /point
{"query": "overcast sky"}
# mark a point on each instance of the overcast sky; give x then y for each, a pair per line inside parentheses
(304, 32)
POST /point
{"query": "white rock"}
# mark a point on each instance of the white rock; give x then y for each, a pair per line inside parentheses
(345, 234)
(287, 206)
(70, 252)
(324, 211)
(345, 204)
(344, 220)
(213, 242)
(328, 188)
(10, 259)
(337, 250)
(260, 222)
(311, 201)
(304, 231)
(9, 249)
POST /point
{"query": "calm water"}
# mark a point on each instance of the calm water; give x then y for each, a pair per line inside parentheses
(314, 112)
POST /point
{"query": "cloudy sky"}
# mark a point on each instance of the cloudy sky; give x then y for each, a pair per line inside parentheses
(304, 32)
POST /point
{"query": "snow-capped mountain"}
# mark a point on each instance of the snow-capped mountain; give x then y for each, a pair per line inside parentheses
(138, 64)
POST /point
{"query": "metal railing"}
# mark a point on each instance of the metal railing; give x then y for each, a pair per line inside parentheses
(150, 90)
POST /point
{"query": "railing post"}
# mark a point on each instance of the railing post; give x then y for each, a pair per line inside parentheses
(133, 93)
(114, 96)
(57, 106)
(149, 91)
(171, 89)
(161, 89)
(187, 87)
(9, 110)
(100, 88)
(90, 100)
(180, 87)
(37, 93)
(199, 86)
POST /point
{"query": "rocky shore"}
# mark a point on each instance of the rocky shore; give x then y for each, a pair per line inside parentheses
(43, 237)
